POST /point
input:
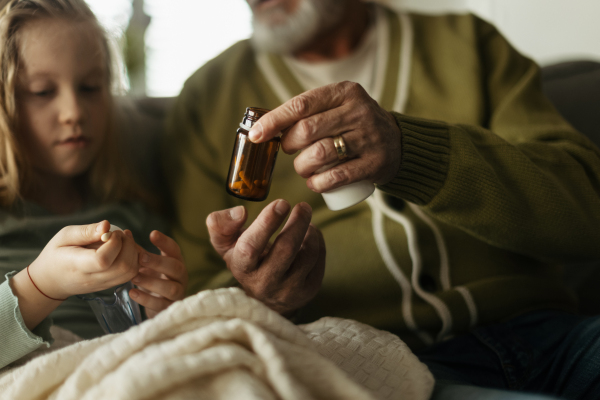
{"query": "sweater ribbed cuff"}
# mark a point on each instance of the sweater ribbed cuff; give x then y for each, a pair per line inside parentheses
(17, 340)
(425, 158)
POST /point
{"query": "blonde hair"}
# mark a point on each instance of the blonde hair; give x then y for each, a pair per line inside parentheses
(107, 178)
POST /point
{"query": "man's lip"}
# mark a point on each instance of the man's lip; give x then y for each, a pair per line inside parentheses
(260, 4)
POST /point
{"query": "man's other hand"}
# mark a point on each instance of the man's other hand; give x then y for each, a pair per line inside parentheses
(285, 274)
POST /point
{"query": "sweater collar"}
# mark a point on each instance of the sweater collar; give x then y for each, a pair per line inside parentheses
(397, 36)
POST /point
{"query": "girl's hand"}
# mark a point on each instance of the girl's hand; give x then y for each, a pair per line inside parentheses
(67, 267)
(162, 278)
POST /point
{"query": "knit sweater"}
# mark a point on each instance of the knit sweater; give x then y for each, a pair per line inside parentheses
(495, 191)
(24, 232)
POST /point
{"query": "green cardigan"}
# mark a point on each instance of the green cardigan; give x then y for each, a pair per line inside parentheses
(23, 235)
(512, 188)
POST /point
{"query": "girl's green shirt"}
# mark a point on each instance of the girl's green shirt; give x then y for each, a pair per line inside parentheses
(24, 232)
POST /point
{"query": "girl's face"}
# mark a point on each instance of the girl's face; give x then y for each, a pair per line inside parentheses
(62, 95)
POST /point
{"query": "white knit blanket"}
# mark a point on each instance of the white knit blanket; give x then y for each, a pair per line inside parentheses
(222, 344)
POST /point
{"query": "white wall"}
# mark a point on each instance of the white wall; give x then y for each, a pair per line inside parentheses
(547, 30)
(184, 34)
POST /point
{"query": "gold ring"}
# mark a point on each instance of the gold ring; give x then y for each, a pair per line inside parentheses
(340, 147)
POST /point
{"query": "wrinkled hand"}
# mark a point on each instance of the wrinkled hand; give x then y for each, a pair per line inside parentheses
(285, 275)
(371, 134)
(162, 279)
(72, 263)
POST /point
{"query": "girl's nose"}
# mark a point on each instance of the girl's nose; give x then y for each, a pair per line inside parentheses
(71, 112)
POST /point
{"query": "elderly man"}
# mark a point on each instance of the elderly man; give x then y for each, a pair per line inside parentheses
(483, 190)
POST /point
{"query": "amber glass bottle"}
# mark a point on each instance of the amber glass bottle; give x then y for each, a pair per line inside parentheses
(252, 164)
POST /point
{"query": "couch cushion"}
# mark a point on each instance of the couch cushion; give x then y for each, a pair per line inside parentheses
(574, 88)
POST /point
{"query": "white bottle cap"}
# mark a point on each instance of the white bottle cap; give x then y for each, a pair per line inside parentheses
(349, 195)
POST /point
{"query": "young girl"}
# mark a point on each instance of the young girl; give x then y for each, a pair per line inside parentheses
(59, 167)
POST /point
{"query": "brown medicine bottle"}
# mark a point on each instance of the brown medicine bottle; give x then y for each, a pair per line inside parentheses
(252, 164)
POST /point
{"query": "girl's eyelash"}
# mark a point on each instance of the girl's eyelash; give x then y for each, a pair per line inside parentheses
(90, 88)
(42, 93)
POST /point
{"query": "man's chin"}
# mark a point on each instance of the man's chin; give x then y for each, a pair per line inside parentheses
(271, 15)
(260, 6)
(276, 31)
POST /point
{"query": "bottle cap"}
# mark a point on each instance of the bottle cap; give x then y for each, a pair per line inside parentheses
(349, 195)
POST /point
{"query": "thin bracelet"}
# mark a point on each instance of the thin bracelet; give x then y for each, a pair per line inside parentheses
(51, 298)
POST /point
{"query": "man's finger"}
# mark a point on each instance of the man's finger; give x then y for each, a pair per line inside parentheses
(252, 243)
(314, 278)
(288, 242)
(341, 175)
(302, 106)
(224, 228)
(325, 124)
(307, 255)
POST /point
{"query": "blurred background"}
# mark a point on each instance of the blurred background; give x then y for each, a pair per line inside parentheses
(165, 41)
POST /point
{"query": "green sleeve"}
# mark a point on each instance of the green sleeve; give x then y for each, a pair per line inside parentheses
(527, 182)
(16, 340)
(196, 189)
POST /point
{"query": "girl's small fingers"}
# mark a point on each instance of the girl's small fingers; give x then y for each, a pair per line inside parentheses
(168, 289)
(149, 301)
(171, 267)
(125, 266)
(151, 272)
(81, 235)
(166, 245)
(109, 251)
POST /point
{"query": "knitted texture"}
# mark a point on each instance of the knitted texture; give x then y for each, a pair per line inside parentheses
(222, 344)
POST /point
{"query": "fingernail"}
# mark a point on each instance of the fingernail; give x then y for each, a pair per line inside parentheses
(145, 258)
(236, 213)
(106, 236)
(256, 132)
(133, 294)
(99, 227)
(310, 185)
(282, 207)
(306, 207)
(136, 279)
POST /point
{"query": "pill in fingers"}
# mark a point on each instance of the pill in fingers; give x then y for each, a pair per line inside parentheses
(106, 236)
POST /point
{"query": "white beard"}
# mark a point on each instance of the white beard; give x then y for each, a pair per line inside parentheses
(280, 33)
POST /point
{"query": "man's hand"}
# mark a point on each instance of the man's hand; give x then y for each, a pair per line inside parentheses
(285, 275)
(371, 135)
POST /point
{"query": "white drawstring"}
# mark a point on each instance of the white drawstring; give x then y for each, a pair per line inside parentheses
(395, 271)
(439, 239)
(413, 250)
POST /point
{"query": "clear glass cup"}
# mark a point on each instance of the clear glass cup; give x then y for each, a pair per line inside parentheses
(115, 312)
